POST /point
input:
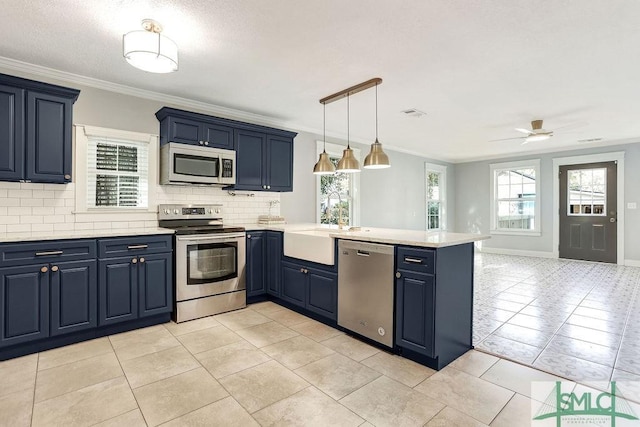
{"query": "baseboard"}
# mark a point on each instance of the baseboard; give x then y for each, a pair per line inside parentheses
(518, 252)
(632, 262)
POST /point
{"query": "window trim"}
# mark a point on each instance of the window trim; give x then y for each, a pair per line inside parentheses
(336, 149)
(442, 170)
(82, 134)
(494, 169)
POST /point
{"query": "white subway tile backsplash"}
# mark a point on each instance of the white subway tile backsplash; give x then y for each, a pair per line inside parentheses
(31, 202)
(28, 207)
(20, 193)
(42, 210)
(41, 227)
(31, 219)
(10, 219)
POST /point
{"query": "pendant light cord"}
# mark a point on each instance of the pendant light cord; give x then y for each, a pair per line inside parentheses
(348, 146)
(376, 112)
(324, 128)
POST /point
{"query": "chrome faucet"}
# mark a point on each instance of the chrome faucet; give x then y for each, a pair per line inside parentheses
(328, 210)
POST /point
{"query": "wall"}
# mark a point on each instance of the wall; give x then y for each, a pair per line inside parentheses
(389, 198)
(472, 200)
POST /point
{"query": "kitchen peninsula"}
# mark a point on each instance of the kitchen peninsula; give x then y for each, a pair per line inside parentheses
(430, 285)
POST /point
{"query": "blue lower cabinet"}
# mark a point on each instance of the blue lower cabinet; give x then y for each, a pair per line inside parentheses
(74, 296)
(274, 259)
(322, 293)
(118, 286)
(255, 264)
(155, 273)
(294, 284)
(24, 301)
(415, 312)
(310, 287)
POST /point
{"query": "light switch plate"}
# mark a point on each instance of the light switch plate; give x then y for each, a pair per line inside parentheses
(632, 205)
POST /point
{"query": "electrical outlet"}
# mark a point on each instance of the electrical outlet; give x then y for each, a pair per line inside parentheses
(632, 205)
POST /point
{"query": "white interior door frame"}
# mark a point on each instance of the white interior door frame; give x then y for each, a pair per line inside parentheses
(578, 160)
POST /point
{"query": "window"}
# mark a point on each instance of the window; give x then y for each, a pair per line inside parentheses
(337, 192)
(587, 192)
(515, 198)
(114, 170)
(435, 197)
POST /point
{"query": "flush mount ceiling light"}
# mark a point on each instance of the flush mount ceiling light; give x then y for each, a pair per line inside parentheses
(376, 159)
(149, 50)
(324, 165)
(348, 163)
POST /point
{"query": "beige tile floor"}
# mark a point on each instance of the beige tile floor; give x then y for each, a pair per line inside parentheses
(263, 365)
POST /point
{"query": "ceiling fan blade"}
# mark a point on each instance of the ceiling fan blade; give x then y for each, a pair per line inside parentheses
(507, 139)
(527, 131)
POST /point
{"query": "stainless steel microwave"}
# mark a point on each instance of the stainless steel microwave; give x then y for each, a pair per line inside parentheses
(189, 164)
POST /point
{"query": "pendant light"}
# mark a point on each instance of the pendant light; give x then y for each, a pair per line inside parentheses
(376, 159)
(149, 50)
(324, 165)
(348, 163)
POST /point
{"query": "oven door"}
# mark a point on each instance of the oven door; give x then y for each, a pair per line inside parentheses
(209, 265)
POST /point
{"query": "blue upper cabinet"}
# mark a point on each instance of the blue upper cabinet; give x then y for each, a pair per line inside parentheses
(35, 130)
(264, 155)
(11, 133)
(264, 162)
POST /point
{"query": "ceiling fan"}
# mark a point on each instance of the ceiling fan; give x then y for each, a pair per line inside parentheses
(537, 133)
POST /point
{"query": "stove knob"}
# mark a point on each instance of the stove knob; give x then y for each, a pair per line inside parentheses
(210, 210)
(176, 211)
(167, 211)
(217, 211)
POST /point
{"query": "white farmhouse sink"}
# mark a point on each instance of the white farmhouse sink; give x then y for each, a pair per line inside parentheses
(310, 245)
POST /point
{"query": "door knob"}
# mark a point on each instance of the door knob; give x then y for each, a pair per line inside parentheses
(141, 259)
(398, 275)
(134, 261)
(206, 143)
(54, 268)
(612, 220)
(44, 269)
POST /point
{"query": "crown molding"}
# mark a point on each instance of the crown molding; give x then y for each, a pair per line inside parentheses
(230, 113)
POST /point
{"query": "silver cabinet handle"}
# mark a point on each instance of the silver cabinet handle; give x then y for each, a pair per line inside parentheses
(54, 268)
(49, 253)
(141, 259)
(137, 246)
(206, 143)
(268, 187)
(413, 260)
(398, 275)
(134, 261)
(201, 142)
(44, 269)
(362, 253)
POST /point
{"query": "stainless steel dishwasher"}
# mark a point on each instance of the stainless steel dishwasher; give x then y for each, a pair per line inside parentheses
(365, 289)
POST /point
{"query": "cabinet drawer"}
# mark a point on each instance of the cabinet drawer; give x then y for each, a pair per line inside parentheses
(48, 251)
(124, 246)
(414, 259)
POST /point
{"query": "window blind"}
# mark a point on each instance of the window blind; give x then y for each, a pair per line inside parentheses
(117, 173)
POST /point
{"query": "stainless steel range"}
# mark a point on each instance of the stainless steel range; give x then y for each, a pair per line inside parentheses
(209, 261)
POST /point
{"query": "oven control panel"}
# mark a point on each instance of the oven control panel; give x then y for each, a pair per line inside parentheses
(189, 212)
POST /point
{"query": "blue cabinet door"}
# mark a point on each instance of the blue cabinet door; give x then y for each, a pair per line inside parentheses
(74, 296)
(181, 130)
(274, 259)
(250, 164)
(48, 151)
(11, 133)
(279, 163)
(24, 304)
(415, 312)
(294, 284)
(256, 263)
(117, 290)
(322, 293)
(155, 284)
(217, 136)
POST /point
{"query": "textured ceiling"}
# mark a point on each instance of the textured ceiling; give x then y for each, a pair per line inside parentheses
(477, 68)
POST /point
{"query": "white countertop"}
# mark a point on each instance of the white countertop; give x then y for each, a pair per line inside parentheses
(393, 236)
(81, 234)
